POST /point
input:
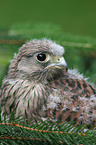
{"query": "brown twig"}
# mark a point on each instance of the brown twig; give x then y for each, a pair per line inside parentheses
(12, 41)
(65, 43)
(45, 131)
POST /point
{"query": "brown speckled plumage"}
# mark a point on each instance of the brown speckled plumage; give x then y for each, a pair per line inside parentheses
(78, 101)
(45, 89)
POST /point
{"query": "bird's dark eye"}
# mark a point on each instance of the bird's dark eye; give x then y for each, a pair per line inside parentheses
(41, 57)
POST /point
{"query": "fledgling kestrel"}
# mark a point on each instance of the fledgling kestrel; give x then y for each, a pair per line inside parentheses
(39, 85)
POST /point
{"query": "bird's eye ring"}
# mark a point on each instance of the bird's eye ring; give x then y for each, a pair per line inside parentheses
(41, 57)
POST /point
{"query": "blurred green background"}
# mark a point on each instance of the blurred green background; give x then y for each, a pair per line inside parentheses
(73, 16)
(64, 21)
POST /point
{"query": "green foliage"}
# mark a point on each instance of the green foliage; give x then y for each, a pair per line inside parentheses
(44, 133)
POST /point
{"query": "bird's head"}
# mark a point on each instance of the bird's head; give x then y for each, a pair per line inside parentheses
(39, 60)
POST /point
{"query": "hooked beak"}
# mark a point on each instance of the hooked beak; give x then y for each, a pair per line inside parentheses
(60, 61)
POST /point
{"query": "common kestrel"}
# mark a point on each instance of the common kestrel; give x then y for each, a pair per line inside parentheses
(39, 85)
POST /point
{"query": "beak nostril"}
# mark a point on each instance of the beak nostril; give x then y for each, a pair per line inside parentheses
(59, 60)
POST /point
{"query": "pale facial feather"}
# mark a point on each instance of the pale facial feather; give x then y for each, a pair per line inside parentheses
(29, 65)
